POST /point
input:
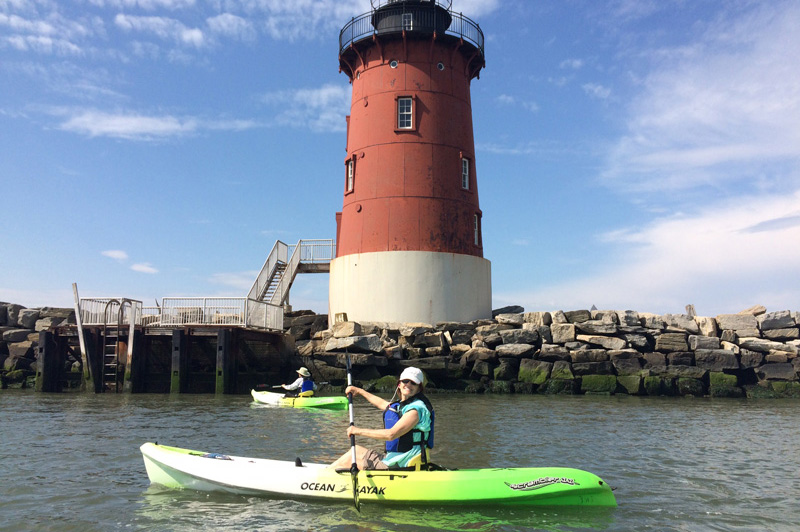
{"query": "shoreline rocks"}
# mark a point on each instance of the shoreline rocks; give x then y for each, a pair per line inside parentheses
(751, 354)
(19, 340)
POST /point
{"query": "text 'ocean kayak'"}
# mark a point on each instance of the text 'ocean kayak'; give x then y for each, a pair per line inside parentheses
(279, 399)
(173, 467)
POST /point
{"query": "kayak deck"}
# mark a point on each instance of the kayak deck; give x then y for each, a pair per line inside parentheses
(279, 399)
(173, 467)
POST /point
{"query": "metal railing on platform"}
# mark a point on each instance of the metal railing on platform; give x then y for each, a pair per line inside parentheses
(105, 311)
(193, 311)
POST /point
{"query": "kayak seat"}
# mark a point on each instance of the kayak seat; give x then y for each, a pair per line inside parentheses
(309, 393)
(416, 462)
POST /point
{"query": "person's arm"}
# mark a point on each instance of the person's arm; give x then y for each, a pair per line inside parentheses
(374, 400)
(403, 425)
(293, 386)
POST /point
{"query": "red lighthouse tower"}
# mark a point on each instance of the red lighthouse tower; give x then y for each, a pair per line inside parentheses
(409, 237)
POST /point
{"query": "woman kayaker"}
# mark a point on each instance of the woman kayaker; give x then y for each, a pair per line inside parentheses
(304, 386)
(408, 425)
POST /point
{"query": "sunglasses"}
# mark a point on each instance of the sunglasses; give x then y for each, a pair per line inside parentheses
(408, 381)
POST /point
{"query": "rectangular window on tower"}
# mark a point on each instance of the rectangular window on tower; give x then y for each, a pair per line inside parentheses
(351, 174)
(465, 173)
(408, 23)
(477, 230)
(405, 114)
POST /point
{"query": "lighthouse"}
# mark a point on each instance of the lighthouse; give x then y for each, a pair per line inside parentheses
(410, 244)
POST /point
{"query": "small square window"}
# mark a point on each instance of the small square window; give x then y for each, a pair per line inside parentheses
(405, 113)
(465, 173)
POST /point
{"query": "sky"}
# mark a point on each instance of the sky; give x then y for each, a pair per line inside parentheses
(630, 155)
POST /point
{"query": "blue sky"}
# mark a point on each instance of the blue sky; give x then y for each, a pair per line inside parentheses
(630, 154)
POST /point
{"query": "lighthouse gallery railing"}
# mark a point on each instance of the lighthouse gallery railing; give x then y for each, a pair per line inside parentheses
(361, 27)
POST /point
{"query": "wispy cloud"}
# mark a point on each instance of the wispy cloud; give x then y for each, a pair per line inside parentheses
(596, 91)
(321, 110)
(135, 126)
(144, 267)
(116, 254)
(721, 110)
(718, 258)
(232, 26)
(507, 99)
(127, 126)
(163, 27)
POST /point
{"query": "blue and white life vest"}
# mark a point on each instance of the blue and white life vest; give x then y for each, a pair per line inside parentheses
(307, 386)
(406, 442)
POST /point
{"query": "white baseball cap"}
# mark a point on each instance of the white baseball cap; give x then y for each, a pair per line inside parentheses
(414, 374)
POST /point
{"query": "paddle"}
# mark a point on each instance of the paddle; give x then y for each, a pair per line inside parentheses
(263, 386)
(353, 465)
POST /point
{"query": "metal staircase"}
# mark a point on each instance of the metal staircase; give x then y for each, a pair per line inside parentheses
(284, 262)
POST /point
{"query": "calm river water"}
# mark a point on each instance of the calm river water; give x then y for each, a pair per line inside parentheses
(72, 461)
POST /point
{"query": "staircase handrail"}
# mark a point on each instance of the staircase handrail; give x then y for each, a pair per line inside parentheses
(303, 252)
(279, 253)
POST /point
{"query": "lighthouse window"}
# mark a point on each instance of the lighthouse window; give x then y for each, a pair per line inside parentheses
(477, 230)
(350, 176)
(465, 173)
(407, 21)
(404, 113)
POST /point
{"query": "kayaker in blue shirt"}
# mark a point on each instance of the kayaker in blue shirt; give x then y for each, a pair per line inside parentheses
(408, 425)
(304, 386)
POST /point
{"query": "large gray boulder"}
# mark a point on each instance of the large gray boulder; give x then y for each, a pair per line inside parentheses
(776, 320)
(538, 318)
(562, 332)
(715, 359)
(515, 351)
(777, 372)
(606, 342)
(16, 335)
(672, 341)
(742, 324)
(362, 344)
(519, 336)
(681, 322)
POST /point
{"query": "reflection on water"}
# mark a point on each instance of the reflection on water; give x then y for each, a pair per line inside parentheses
(72, 462)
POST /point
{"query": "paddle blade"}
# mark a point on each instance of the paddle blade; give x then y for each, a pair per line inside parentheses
(354, 477)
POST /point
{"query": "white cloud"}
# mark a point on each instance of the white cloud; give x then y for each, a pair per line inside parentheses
(143, 267)
(723, 259)
(127, 126)
(229, 25)
(163, 27)
(722, 110)
(147, 5)
(321, 110)
(571, 64)
(116, 254)
(596, 91)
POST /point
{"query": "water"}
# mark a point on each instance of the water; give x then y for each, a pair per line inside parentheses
(72, 461)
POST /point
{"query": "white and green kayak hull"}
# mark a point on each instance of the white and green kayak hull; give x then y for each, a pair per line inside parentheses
(278, 399)
(173, 467)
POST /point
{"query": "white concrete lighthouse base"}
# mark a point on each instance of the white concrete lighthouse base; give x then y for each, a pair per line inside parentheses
(410, 286)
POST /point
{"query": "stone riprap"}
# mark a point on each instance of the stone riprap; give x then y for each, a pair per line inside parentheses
(753, 354)
(19, 340)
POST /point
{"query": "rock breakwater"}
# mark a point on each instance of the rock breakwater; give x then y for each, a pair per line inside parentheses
(19, 340)
(753, 353)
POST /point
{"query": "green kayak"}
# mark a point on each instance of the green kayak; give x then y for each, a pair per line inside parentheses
(173, 467)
